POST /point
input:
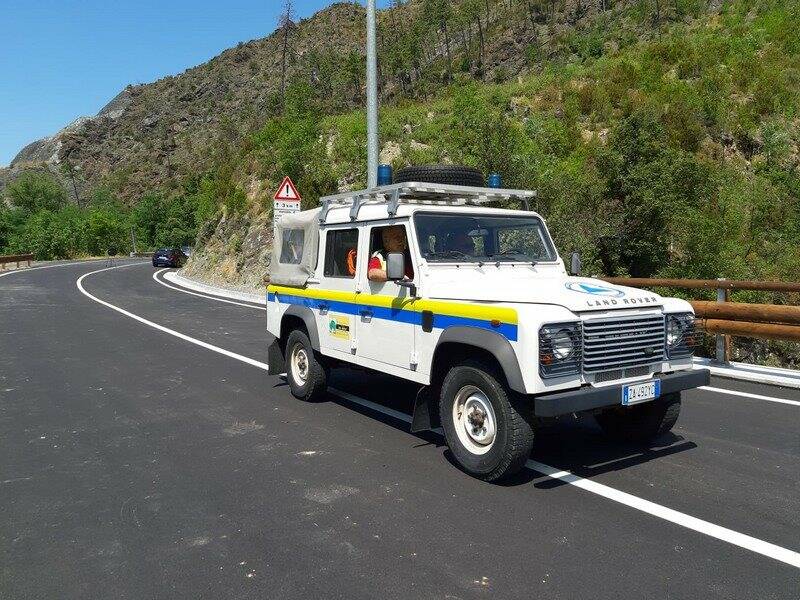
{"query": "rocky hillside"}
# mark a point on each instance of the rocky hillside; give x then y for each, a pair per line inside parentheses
(151, 134)
(156, 134)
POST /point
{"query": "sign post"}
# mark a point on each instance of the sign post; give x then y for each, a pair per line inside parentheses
(286, 200)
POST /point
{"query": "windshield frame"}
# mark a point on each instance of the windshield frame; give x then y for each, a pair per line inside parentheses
(484, 259)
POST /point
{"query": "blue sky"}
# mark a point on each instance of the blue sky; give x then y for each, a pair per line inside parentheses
(62, 59)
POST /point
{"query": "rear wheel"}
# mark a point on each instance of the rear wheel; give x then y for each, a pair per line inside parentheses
(487, 434)
(306, 375)
(642, 422)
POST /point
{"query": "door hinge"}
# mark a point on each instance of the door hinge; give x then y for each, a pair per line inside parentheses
(414, 360)
(353, 345)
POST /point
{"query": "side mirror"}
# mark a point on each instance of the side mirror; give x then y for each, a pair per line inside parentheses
(395, 266)
(575, 264)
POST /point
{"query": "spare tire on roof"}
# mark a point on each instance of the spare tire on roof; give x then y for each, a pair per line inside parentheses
(448, 174)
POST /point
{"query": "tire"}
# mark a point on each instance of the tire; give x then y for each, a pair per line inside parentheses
(306, 375)
(640, 423)
(448, 174)
(474, 389)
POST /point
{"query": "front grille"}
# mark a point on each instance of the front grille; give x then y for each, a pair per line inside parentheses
(604, 376)
(622, 342)
(637, 372)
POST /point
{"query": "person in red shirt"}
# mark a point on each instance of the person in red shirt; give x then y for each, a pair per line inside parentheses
(394, 240)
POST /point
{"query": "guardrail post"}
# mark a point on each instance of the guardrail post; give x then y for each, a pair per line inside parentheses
(723, 341)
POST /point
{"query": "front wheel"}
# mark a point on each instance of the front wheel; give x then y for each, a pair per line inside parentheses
(306, 376)
(641, 423)
(487, 434)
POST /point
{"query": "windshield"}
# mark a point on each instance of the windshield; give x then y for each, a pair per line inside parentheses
(482, 238)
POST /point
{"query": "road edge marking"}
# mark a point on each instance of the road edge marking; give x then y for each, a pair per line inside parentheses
(719, 390)
(724, 534)
(210, 297)
(215, 291)
(178, 334)
(64, 264)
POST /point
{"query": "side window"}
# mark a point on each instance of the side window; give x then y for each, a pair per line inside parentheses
(386, 239)
(292, 246)
(341, 246)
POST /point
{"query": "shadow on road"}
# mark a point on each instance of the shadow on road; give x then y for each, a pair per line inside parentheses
(570, 444)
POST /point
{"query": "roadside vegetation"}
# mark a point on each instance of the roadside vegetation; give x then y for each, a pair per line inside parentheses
(43, 219)
(663, 138)
(668, 154)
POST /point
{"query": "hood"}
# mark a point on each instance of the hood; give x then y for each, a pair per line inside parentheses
(577, 294)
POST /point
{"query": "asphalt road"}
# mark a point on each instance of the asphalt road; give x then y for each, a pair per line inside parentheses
(137, 463)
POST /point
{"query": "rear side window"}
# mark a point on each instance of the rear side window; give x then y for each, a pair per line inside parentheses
(341, 246)
(292, 246)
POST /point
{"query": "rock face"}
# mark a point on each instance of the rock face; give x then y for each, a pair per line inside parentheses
(235, 254)
(150, 133)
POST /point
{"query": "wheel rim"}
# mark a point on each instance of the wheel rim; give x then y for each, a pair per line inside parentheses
(474, 420)
(299, 364)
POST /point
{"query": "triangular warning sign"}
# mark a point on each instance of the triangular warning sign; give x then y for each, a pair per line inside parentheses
(287, 191)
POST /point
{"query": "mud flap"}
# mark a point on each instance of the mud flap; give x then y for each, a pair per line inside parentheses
(275, 359)
(425, 415)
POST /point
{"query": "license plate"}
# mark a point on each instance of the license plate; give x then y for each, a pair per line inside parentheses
(641, 392)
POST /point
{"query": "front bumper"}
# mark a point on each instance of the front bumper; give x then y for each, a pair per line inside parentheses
(563, 403)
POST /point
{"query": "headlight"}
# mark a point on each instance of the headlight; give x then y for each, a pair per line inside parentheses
(681, 335)
(674, 331)
(560, 347)
(563, 344)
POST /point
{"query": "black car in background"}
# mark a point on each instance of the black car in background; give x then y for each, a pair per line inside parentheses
(168, 257)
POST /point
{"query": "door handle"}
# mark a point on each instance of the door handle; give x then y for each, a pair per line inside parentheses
(366, 314)
(323, 309)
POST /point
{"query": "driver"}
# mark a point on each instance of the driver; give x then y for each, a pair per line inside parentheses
(394, 240)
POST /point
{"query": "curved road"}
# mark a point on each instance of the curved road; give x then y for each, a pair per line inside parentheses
(145, 453)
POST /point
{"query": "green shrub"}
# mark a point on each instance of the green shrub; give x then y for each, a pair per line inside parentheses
(36, 190)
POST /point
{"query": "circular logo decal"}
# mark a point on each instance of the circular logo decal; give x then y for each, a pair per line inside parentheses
(594, 289)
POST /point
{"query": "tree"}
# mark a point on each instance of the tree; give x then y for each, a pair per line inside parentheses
(285, 24)
(54, 234)
(36, 190)
(106, 230)
(472, 11)
(69, 170)
(438, 13)
(12, 220)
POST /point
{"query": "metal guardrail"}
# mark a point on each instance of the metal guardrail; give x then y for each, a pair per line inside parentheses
(17, 258)
(725, 318)
(709, 284)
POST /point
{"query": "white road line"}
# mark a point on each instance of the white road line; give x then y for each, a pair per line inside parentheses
(177, 334)
(749, 395)
(724, 534)
(177, 289)
(66, 264)
(747, 542)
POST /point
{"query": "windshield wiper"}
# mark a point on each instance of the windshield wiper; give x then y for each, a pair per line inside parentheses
(512, 256)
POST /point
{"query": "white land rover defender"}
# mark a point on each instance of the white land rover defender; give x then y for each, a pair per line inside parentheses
(477, 307)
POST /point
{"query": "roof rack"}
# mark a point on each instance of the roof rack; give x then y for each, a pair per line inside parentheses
(414, 192)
